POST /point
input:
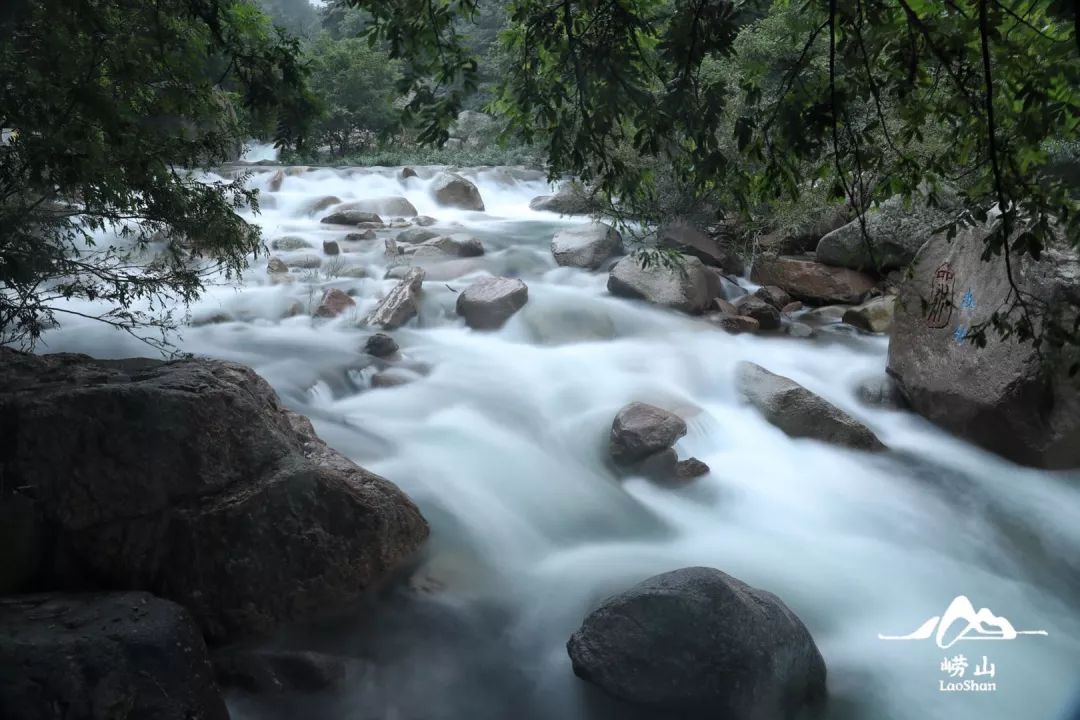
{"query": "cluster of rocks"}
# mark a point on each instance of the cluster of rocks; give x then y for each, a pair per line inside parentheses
(642, 441)
(194, 505)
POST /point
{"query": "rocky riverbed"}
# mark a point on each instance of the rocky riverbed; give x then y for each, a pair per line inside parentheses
(572, 427)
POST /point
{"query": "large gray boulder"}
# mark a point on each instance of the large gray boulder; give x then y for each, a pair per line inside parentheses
(457, 245)
(452, 190)
(640, 430)
(387, 206)
(691, 240)
(102, 656)
(799, 412)
(812, 282)
(893, 235)
(401, 304)
(190, 480)
(586, 246)
(1008, 397)
(698, 644)
(571, 199)
(488, 303)
(686, 285)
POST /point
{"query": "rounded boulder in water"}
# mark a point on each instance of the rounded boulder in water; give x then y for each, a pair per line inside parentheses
(487, 304)
(452, 190)
(699, 644)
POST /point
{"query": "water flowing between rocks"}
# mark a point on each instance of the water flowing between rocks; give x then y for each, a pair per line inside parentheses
(501, 438)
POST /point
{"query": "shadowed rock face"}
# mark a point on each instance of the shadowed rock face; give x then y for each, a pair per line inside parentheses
(698, 644)
(799, 412)
(190, 480)
(103, 656)
(1003, 397)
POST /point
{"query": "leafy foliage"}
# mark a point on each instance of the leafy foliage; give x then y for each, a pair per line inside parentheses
(94, 201)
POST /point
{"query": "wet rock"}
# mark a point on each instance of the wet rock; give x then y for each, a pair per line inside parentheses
(586, 246)
(408, 172)
(272, 672)
(289, 242)
(276, 180)
(424, 221)
(640, 430)
(399, 223)
(189, 479)
(689, 286)
(689, 469)
(893, 235)
(792, 307)
(488, 303)
(330, 247)
(659, 467)
(768, 317)
(571, 199)
(799, 412)
(693, 241)
(276, 266)
(775, 296)
(452, 190)
(334, 302)
(304, 262)
(101, 656)
(725, 307)
(386, 206)
(875, 316)
(415, 235)
(439, 269)
(698, 644)
(381, 345)
(368, 234)
(393, 377)
(827, 314)
(881, 391)
(353, 271)
(734, 323)
(352, 217)
(800, 330)
(456, 245)
(812, 282)
(1004, 397)
(372, 225)
(320, 204)
(401, 304)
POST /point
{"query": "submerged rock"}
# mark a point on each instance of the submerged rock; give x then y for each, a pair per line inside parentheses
(487, 304)
(1007, 397)
(189, 479)
(102, 656)
(688, 286)
(352, 217)
(401, 304)
(452, 190)
(381, 345)
(386, 206)
(330, 247)
(415, 235)
(304, 262)
(689, 469)
(456, 245)
(812, 282)
(698, 644)
(289, 242)
(640, 430)
(276, 266)
(586, 246)
(799, 412)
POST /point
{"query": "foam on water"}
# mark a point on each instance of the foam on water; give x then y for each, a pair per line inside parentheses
(502, 444)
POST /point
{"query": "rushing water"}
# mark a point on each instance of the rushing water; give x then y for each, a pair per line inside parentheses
(502, 444)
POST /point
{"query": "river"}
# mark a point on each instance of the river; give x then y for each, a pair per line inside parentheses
(501, 441)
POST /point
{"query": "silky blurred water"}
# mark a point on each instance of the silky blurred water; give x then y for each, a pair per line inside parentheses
(502, 444)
